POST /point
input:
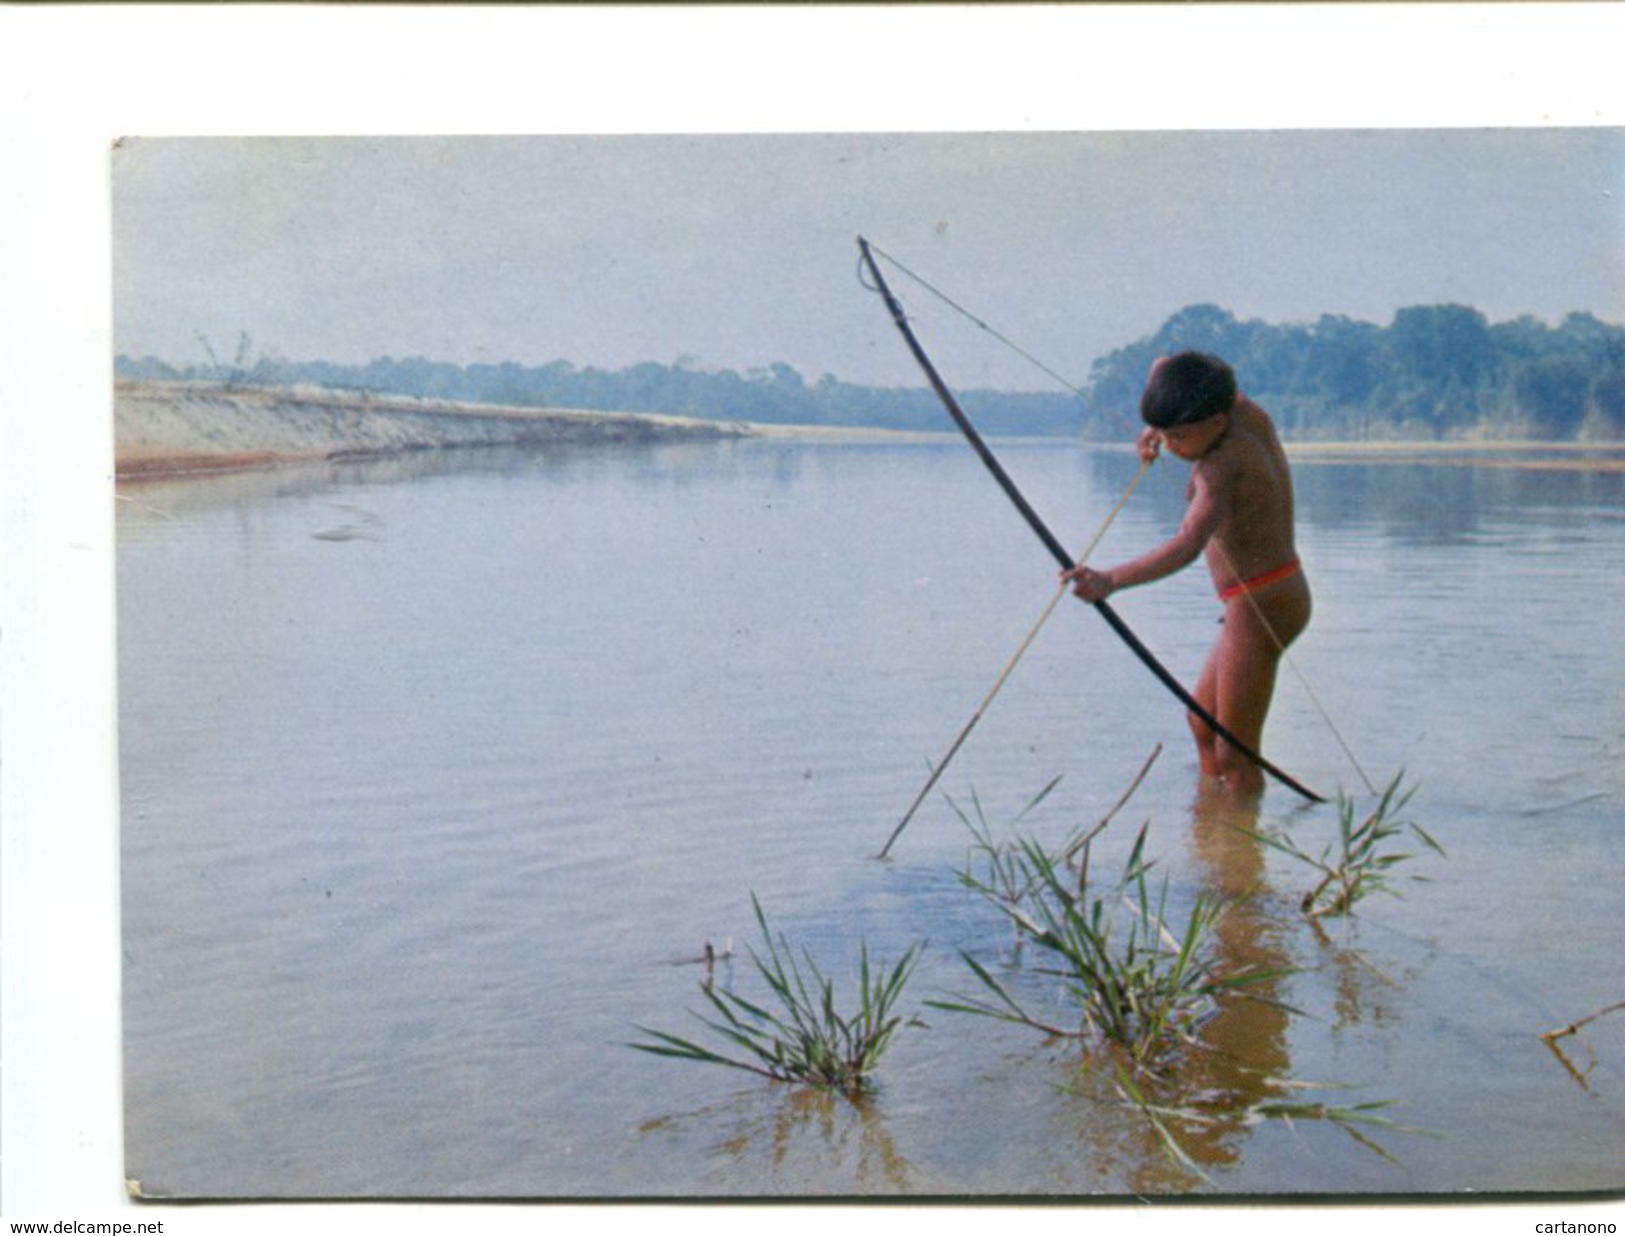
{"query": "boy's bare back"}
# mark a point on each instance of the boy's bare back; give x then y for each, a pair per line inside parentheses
(1250, 485)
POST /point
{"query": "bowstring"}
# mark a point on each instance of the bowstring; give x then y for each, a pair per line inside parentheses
(971, 317)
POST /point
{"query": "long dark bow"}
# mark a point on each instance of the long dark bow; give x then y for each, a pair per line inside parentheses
(1056, 549)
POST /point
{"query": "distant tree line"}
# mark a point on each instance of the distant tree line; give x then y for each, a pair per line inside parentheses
(1436, 372)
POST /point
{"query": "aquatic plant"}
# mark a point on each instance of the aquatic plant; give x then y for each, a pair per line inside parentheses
(806, 1039)
(1552, 1037)
(997, 870)
(1574, 1027)
(1360, 860)
(1140, 981)
(1172, 1118)
(991, 867)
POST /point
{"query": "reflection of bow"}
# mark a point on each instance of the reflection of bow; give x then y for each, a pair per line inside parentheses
(1056, 549)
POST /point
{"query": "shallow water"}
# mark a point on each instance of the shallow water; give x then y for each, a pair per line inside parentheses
(437, 772)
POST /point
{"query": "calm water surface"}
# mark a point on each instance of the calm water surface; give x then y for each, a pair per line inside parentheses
(436, 774)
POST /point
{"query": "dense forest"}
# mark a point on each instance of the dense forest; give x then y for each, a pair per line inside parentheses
(1436, 372)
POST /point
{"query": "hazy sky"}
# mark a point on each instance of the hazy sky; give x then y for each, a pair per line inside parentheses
(738, 251)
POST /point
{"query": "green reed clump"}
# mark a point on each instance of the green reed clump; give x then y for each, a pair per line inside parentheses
(998, 870)
(805, 1039)
(993, 868)
(1361, 859)
(1139, 980)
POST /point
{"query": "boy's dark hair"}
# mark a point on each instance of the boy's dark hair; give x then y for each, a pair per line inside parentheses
(1186, 388)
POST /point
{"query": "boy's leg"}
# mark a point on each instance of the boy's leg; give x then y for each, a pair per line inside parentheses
(1245, 661)
(1257, 631)
(1206, 693)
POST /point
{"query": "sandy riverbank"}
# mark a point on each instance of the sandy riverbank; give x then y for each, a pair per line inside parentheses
(1522, 455)
(164, 428)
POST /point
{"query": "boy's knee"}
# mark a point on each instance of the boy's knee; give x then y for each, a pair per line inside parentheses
(1199, 727)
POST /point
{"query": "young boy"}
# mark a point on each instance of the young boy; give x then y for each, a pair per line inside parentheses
(1240, 512)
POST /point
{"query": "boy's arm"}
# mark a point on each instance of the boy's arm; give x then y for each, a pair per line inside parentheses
(1178, 552)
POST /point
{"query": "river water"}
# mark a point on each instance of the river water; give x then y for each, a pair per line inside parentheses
(438, 773)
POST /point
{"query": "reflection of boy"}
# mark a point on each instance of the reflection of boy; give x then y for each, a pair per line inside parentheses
(1240, 512)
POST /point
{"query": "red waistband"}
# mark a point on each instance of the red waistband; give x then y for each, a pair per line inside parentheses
(1285, 571)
